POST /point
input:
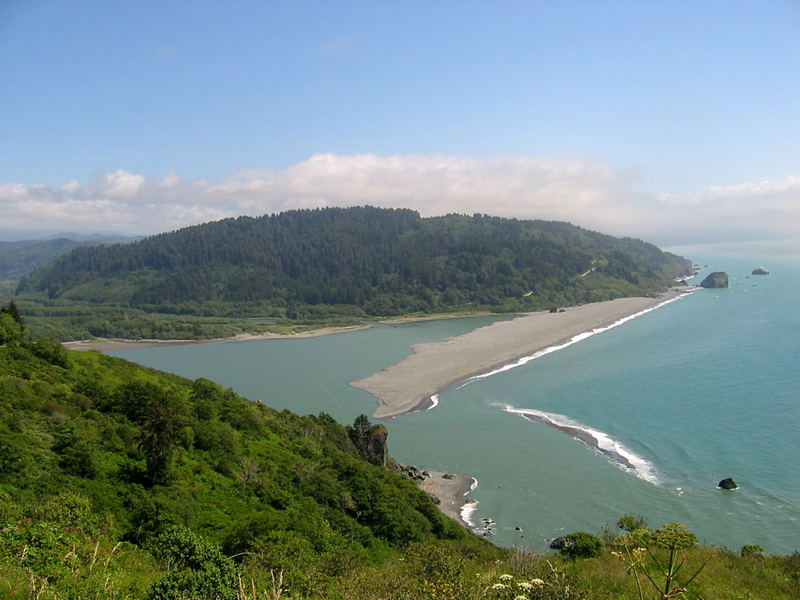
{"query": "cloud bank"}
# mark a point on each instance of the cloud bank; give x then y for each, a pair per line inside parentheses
(589, 193)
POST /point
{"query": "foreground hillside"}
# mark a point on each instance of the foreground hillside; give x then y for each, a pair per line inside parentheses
(358, 262)
(118, 481)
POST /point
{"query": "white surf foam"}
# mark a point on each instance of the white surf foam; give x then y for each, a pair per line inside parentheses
(574, 340)
(467, 511)
(434, 402)
(468, 508)
(614, 450)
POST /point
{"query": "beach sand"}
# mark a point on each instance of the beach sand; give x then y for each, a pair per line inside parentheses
(409, 384)
(451, 492)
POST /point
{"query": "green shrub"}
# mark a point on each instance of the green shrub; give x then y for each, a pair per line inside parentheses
(581, 544)
(752, 550)
(631, 523)
(197, 569)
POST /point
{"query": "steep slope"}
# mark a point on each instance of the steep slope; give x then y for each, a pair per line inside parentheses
(377, 261)
(133, 453)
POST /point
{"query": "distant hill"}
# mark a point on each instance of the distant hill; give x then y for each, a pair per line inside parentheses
(20, 257)
(379, 261)
(21, 235)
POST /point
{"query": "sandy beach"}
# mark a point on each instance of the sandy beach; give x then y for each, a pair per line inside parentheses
(409, 384)
(451, 491)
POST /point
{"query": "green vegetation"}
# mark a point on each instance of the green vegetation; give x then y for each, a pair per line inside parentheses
(118, 481)
(582, 544)
(329, 265)
(19, 258)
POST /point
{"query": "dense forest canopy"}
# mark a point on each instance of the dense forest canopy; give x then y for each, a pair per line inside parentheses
(376, 261)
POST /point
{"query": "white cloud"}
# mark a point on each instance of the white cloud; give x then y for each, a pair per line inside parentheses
(589, 193)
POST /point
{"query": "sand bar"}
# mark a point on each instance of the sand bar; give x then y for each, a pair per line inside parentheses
(409, 384)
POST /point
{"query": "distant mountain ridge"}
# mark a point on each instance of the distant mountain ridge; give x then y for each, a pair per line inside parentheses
(20, 257)
(377, 261)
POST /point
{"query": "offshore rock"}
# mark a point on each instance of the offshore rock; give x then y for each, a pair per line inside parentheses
(717, 279)
(760, 271)
(558, 543)
(727, 484)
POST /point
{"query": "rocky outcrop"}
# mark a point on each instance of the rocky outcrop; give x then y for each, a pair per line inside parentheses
(413, 472)
(727, 484)
(377, 448)
(558, 543)
(717, 279)
(760, 271)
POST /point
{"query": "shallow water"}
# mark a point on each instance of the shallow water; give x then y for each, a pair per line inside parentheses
(698, 390)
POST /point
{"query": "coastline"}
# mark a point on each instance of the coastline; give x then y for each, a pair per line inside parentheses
(111, 345)
(409, 385)
(452, 493)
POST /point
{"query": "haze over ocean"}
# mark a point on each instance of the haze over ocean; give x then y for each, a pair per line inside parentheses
(701, 389)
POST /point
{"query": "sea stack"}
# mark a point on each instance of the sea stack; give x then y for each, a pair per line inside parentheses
(760, 271)
(727, 484)
(717, 279)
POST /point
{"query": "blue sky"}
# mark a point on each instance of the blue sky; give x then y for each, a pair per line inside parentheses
(626, 116)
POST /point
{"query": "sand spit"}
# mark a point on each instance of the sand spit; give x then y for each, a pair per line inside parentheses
(405, 386)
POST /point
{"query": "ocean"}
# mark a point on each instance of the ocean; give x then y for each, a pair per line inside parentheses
(643, 418)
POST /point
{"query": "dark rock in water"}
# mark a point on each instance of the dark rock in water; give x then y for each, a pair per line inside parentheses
(717, 279)
(448, 476)
(727, 484)
(517, 528)
(760, 271)
(558, 543)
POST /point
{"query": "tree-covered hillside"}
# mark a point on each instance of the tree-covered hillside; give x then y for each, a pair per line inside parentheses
(374, 261)
(106, 448)
(20, 258)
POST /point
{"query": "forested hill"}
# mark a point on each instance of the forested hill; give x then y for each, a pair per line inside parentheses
(379, 261)
(158, 480)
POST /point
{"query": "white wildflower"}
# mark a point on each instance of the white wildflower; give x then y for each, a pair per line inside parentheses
(499, 586)
(506, 577)
(525, 585)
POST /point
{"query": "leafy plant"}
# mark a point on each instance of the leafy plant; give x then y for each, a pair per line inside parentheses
(581, 544)
(644, 552)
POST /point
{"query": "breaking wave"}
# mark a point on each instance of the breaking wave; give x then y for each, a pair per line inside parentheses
(599, 441)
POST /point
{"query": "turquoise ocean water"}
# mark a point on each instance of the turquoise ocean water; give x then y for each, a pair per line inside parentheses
(703, 388)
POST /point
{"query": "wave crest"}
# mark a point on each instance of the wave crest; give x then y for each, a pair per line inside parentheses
(599, 441)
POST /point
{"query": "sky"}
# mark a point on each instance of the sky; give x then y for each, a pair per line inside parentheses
(675, 121)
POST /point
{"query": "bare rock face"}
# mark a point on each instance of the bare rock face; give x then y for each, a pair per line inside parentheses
(717, 279)
(377, 446)
(727, 484)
